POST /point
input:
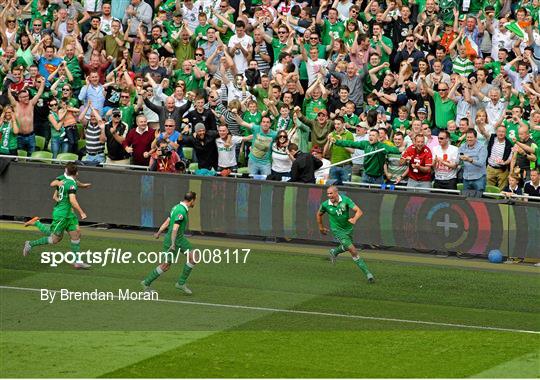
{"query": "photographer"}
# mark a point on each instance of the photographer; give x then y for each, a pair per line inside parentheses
(163, 159)
(115, 132)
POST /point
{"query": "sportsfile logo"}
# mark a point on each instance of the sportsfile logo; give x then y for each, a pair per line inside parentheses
(118, 256)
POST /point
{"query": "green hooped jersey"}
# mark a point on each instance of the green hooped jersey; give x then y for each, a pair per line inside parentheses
(63, 208)
(179, 215)
(339, 213)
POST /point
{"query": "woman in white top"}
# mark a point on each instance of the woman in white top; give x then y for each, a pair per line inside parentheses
(281, 160)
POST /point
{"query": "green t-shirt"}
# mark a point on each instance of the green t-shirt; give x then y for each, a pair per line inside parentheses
(337, 29)
(352, 119)
(260, 94)
(338, 214)
(495, 67)
(512, 129)
(171, 27)
(128, 115)
(57, 134)
(374, 163)
(63, 209)
(385, 57)
(312, 107)
(277, 45)
(75, 69)
(338, 153)
(454, 137)
(8, 139)
(444, 111)
(229, 33)
(261, 151)
(202, 30)
(179, 215)
(191, 81)
(248, 117)
(398, 123)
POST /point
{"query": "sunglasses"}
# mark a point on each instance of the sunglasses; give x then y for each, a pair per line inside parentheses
(116, 115)
(37, 24)
(53, 104)
(282, 32)
(442, 138)
(409, 40)
(198, 54)
(10, 20)
(124, 97)
(443, 89)
(282, 137)
(170, 125)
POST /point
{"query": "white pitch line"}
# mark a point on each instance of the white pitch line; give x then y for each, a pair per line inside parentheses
(320, 313)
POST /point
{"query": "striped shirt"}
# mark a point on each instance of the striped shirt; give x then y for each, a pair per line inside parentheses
(93, 145)
(462, 66)
(264, 67)
(497, 152)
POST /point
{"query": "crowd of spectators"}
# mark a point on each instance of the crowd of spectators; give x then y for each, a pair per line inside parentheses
(438, 94)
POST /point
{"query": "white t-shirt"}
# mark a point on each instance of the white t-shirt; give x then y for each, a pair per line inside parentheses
(281, 162)
(227, 155)
(191, 16)
(240, 60)
(359, 161)
(314, 67)
(323, 173)
(451, 154)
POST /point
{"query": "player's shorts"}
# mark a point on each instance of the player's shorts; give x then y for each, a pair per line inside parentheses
(61, 224)
(182, 245)
(345, 239)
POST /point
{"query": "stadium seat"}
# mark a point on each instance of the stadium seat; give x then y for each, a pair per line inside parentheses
(42, 154)
(82, 144)
(40, 142)
(188, 153)
(193, 166)
(67, 157)
(460, 186)
(80, 129)
(356, 178)
(22, 153)
(492, 189)
(244, 170)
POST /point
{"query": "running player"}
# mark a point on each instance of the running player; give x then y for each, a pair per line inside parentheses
(64, 219)
(337, 207)
(175, 242)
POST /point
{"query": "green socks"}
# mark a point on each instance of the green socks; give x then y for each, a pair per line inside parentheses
(45, 228)
(152, 276)
(185, 273)
(336, 251)
(75, 246)
(41, 241)
(362, 265)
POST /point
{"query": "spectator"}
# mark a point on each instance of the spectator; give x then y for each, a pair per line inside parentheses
(532, 187)
(512, 188)
(169, 111)
(304, 165)
(445, 163)
(420, 161)
(115, 132)
(94, 133)
(341, 171)
(139, 141)
(360, 135)
(163, 158)
(24, 114)
(522, 160)
(226, 147)
(374, 163)
(261, 147)
(499, 157)
(473, 155)
(281, 158)
(136, 14)
(204, 145)
(8, 132)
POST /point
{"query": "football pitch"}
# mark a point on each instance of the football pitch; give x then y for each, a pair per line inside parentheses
(286, 312)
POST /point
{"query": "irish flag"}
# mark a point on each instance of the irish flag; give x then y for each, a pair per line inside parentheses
(471, 48)
(515, 28)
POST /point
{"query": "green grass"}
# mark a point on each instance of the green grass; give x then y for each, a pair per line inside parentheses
(171, 339)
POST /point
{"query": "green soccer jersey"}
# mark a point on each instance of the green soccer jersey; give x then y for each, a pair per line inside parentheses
(63, 208)
(179, 215)
(336, 29)
(352, 119)
(338, 153)
(398, 123)
(338, 214)
(253, 118)
(312, 107)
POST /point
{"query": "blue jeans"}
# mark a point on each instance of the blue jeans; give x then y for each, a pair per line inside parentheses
(256, 168)
(58, 146)
(475, 184)
(366, 178)
(341, 173)
(27, 143)
(97, 158)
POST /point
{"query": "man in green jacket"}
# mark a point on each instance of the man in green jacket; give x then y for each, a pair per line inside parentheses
(374, 163)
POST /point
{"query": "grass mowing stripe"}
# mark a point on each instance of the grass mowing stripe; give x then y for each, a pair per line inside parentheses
(526, 366)
(316, 313)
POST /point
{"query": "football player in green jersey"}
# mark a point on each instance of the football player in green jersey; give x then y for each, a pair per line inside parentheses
(175, 242)
(64, 218)
(341, 224)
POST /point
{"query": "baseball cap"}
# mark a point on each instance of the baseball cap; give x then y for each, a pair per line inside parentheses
(363, 124)
(323, 111)
(421, 110)
(116, 111)
(177, 13)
